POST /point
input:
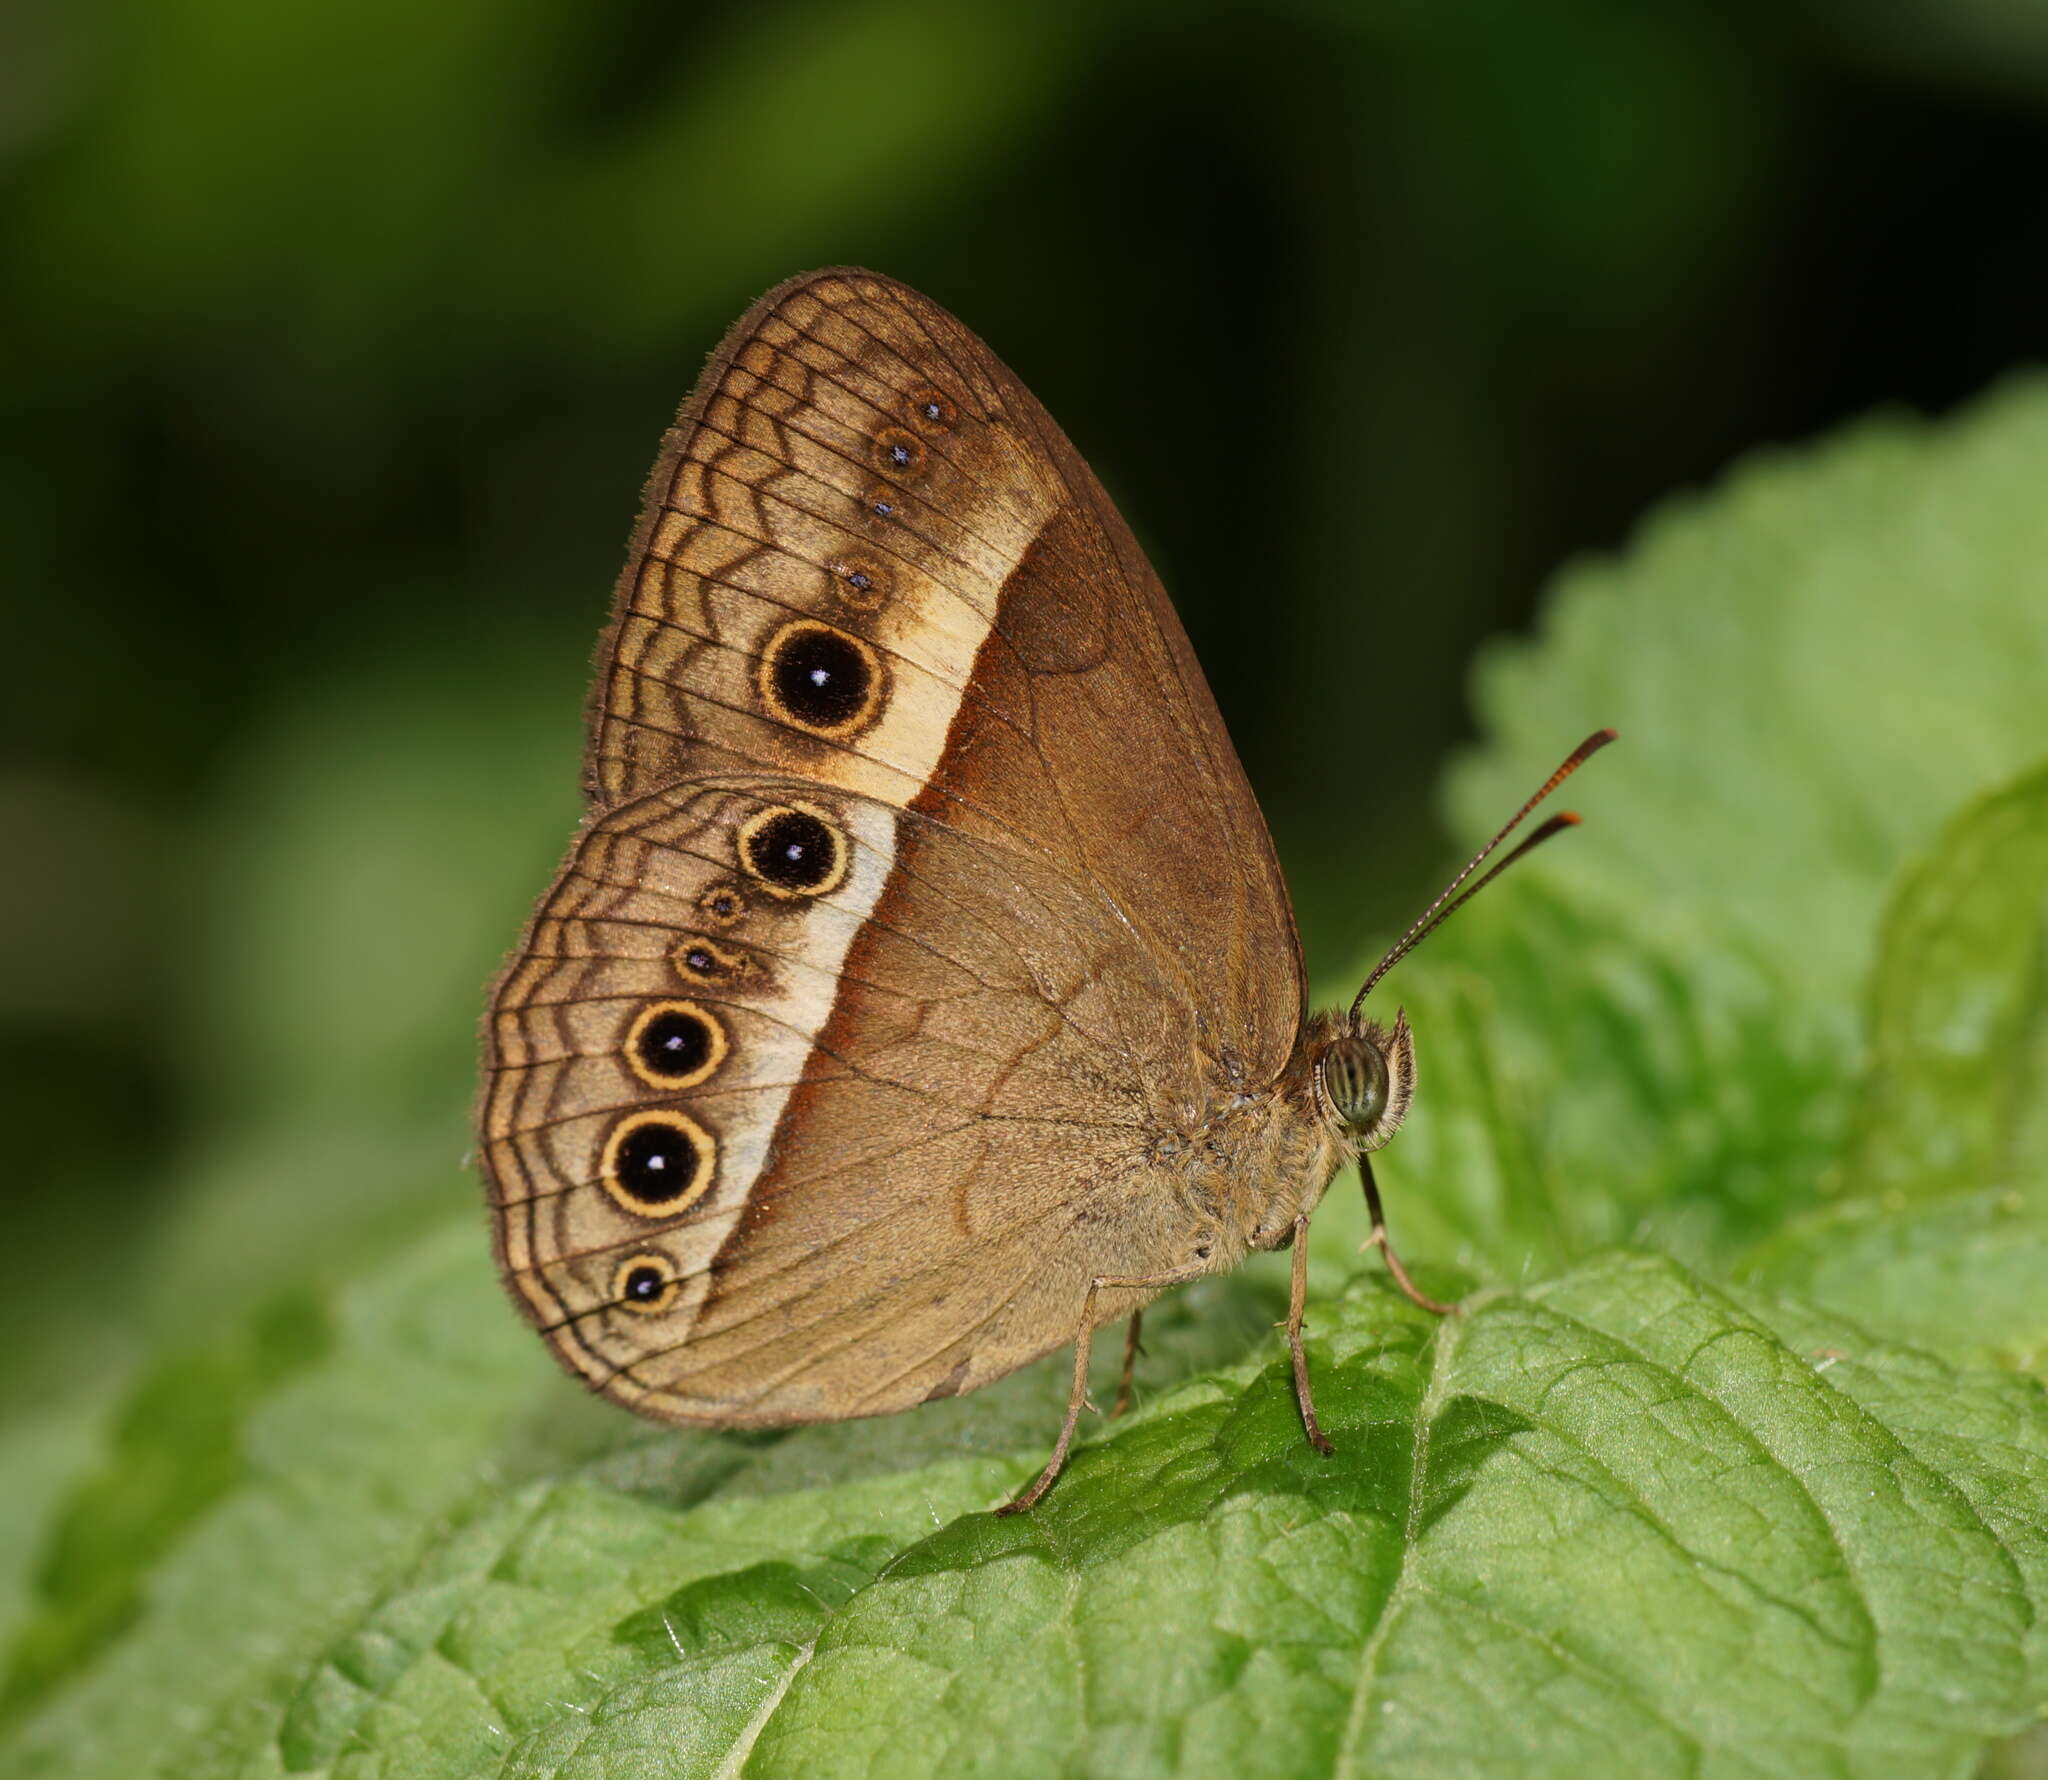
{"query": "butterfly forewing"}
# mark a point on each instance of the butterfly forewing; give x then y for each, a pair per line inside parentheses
(922, 891)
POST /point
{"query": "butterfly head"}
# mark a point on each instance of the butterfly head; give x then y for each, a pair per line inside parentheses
(1364, 1079)
(1364, 1072)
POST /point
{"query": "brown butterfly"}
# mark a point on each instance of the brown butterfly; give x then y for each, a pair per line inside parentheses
(921, 991)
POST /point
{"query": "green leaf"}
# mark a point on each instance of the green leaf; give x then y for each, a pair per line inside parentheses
(175, 1453)
(1941, 1232)
(1617, 1509)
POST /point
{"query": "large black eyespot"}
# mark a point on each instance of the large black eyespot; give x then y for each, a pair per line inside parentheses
(675, 1044)
(646, 1283)
(1354, 1075)
(657, 1163)
(821, 679)
(794, 852)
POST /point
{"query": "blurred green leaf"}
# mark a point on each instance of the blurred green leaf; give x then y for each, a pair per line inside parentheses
(1810, 671)
(1941, 1234)
(1955, 1091)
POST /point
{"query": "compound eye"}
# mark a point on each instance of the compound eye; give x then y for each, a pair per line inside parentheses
(1355, 1078)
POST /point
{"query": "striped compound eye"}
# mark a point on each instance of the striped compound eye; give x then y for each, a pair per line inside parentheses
(1354, 1076)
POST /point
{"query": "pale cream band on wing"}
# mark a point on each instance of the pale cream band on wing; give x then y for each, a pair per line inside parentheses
(939, 633)
(805, 990)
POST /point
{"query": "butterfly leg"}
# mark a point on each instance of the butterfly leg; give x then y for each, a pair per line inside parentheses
(1297, 1305)
(1131, 1352)
(1083, 1344)
(1378, 1239)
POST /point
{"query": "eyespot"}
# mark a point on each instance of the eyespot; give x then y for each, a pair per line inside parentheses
(700, 960)
(722, 904)
(792, 851)
(657, 1163)
(882, 502)
(675, 1044)
(822, 680)
(859, 583)
(897, 453)
(646, 1283)
(932, 412)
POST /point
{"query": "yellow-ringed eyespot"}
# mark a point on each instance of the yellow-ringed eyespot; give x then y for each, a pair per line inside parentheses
(646, 1283)
(791, 850)
(823, 681)
(675, 1044)
(657, 1164)
(722, 904)
(701, 960)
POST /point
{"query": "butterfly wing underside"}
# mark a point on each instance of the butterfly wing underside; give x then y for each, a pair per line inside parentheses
(921, 888)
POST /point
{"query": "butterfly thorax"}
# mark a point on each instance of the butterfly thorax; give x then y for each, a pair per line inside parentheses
(1246, 1164)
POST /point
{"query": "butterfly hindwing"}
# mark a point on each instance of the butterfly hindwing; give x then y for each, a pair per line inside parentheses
(889, 1085)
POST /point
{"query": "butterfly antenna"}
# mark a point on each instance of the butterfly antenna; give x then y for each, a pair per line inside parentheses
(1450, 902)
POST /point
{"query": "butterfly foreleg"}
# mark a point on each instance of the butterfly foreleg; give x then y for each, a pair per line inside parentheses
(1131, 1352)
(1297, 1306)
(1084, 1342)
(1379, 1240)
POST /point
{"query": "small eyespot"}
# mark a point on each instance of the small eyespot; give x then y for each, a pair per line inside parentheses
(859, 583)
(657, 1163)
(792, 851)
(702, 960)
(883, 502)
(898, 453)
(821, 680)
(675, 1044)
(932, 412)
(646, 1284)
(722, 904)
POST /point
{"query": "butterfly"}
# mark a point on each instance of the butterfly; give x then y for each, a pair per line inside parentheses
(921, 992)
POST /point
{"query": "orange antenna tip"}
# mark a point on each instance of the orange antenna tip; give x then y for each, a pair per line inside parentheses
(1451, 901)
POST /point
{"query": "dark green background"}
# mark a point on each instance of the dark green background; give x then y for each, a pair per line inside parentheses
(339, 335)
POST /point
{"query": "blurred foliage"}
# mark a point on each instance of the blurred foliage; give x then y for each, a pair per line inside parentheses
(339, 337)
